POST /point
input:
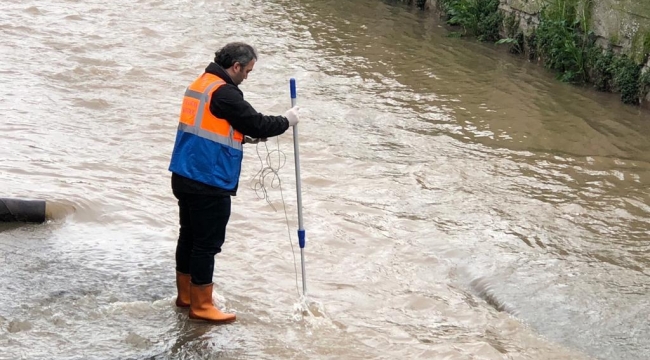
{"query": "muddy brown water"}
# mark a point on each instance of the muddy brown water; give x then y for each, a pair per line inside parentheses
(459, 202)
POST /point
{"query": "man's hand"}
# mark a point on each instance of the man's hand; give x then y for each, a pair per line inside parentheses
(250, 140)
(292, 115)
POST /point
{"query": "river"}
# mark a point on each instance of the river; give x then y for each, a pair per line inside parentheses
(458, 201)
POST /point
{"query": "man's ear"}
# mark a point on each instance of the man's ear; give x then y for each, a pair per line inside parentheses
(237, 67)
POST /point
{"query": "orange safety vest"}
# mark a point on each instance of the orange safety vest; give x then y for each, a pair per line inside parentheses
(196, 115)
(207, 149)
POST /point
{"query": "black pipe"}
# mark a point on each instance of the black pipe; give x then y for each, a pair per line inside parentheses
(20, 210)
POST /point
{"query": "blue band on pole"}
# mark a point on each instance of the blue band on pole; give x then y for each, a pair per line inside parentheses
(301, 238)
(292, 86)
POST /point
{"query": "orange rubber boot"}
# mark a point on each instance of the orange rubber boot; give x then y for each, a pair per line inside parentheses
(183, 287)
(202, 308)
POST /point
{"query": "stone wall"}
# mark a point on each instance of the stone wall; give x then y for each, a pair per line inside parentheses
(624, 24)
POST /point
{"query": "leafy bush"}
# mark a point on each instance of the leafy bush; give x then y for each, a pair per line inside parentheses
(564, 41)
(602, 74)
(626, 79)
(480, 18)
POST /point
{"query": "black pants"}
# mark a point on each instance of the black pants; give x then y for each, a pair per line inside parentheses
(203, 221)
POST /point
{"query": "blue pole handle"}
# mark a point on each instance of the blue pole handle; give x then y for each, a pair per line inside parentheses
(292, 86)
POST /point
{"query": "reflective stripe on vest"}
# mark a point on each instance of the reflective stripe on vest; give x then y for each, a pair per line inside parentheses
(197, 119)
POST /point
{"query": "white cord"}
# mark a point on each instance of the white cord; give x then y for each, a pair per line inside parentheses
(259, 184)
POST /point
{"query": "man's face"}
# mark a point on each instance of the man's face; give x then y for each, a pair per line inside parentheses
(240, 73)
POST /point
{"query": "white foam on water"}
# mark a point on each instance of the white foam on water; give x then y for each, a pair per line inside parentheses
(311, 313)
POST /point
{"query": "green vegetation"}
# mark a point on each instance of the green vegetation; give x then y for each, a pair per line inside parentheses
(619, 73)
(563, 42)
(627, 74)
(480, 18)
(563, 39)
(603, 71)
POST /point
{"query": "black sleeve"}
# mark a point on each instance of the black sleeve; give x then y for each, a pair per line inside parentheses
(228, 103)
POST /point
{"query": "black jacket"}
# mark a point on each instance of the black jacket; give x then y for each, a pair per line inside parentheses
(228, 103)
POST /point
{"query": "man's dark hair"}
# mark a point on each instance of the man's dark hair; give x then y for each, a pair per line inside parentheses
(234, 52)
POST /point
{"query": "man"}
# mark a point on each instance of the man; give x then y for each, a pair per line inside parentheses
(215, 121)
